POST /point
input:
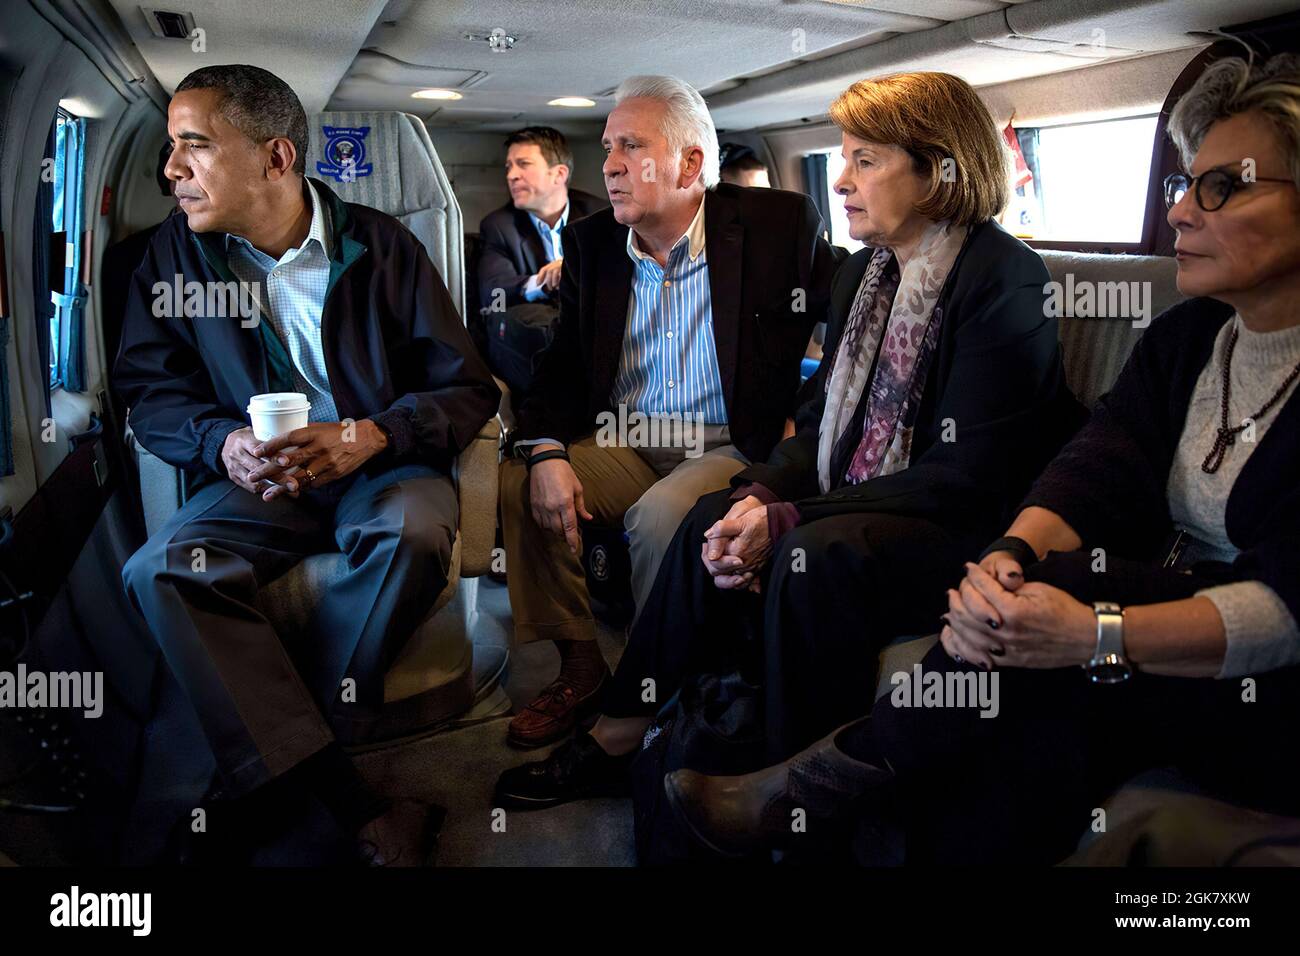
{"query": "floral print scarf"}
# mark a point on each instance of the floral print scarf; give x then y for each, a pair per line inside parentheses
(893, 313)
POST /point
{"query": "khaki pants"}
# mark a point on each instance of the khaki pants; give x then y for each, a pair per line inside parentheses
(648, 490)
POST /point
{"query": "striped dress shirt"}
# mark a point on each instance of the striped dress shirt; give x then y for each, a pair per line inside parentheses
(292, 298)
(669, 362)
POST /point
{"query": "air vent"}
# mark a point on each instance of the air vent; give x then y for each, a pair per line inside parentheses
(169, 24)
(499, 40)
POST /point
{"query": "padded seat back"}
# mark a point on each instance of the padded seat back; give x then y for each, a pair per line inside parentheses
(1097, 348)
(387, 161)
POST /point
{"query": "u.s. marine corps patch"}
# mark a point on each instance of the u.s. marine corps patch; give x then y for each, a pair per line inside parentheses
(345, 153)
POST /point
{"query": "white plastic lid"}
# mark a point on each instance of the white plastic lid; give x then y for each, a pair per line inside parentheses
(278, 402)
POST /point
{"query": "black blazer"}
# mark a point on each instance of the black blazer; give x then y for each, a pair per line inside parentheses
(996, 374)
(763, 247)
(512, 251)
(1109, 483)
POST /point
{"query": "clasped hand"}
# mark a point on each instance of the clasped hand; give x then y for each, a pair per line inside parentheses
(998, 619)
(322, 452)
(736, 549)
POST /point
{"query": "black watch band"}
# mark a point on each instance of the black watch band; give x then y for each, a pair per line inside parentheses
(1018, 547)
(549, 455)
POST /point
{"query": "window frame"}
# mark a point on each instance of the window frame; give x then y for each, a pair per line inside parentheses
(831, 196)
(1144, 244)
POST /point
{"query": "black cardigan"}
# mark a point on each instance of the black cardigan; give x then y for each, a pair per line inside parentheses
(1109, 482)
(996, 373)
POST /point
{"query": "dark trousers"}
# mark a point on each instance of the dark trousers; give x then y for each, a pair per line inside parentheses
(1022, 787)
(834, 593)
(266, 701)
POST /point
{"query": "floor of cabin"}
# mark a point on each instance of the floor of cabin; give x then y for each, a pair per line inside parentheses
(457, 769)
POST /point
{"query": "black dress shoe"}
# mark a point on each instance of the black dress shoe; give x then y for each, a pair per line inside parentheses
(231, 832)
(575, 770)
(186, 847)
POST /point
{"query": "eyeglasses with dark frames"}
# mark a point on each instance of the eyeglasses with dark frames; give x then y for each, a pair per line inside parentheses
(1212, 188)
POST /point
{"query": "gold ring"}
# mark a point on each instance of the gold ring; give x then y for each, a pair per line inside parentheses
(310, 476)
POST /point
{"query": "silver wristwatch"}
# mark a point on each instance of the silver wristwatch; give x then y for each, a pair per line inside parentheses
(1108, 664)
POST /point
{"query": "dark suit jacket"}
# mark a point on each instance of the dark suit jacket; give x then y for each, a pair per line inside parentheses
(996, 374)
(512, 251)
(762, 246)
(395, 348)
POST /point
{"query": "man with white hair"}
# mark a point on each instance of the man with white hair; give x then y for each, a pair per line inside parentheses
(685, 309)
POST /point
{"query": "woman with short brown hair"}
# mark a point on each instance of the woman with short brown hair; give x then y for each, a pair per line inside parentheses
(941, 123)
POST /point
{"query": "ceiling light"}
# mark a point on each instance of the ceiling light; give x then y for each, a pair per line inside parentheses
(77, 107)
(436, 95)
(574, 101)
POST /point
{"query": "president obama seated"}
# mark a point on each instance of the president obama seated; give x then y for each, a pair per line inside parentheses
(352, 314)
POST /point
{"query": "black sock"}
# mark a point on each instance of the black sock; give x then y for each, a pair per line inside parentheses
(334, 780)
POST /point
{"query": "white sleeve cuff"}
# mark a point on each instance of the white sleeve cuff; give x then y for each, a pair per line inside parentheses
(1261, 631)
(533, 290)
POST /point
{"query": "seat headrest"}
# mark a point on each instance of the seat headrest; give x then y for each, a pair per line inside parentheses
(378, 159)
(386, 160)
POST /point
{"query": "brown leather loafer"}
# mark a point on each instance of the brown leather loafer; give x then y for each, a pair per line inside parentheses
(554, 713)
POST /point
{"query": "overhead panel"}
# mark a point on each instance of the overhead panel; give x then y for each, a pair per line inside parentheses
(310, 44)
(587, 47)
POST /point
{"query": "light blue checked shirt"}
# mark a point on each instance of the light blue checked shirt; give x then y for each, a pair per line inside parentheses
(292, 301)
(669, 362)
(554, 250)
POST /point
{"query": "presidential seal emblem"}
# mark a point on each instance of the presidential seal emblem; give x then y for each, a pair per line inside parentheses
(345, 153)
(600, 563)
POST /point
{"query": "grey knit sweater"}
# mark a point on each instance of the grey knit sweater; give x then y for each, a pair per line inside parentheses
(1261, 631)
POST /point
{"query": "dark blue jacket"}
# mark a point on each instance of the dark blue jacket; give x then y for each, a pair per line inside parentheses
(395, 348)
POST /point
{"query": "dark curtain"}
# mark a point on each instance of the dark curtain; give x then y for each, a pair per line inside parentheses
(7, 83)
(814, 180)
(1028, 140)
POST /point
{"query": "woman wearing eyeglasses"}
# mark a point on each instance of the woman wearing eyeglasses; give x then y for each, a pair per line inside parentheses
(1141, 610)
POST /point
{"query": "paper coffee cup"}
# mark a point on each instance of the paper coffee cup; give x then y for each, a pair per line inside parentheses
(276, 413)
